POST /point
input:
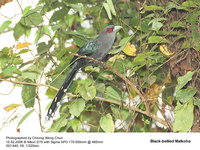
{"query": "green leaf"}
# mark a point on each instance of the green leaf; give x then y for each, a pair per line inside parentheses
(156, 24)
(112, 94)
(17, 60)
(177, 24)
(19, 30)
(51, 93)
(157, 39)
(9, 70)
(111, 6)
(26, 10)
(182, 81)
(17, 71)
(124, 41)
(23, 51)
(184, 95)
(42, 48)
(25, 117)
(77, 106)
(107, 123)
(28, 95)
(151, 8)
(108, 11)
(187, 44)
(31, 19)
(5, 25)
(150, 15)
(193, 16)
(39, 34)
(30, 75)
(100, 87)
(76, 125)
(59, 123)
(71, 19)
(58, 15)
(92, 69)
(64, 109)
(42, 30)
(77, 7)
(170, 6)
(139, 60)
(87, 92)
(183, 117)
(189, 4)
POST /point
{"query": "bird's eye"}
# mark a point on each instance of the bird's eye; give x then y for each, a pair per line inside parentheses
(109, 30)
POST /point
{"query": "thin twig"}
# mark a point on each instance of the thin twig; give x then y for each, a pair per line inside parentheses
(36, 84)
(39, 105)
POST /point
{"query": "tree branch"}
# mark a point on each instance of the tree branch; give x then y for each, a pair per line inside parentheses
(98, 98)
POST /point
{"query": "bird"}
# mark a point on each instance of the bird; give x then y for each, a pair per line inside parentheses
(97, 49)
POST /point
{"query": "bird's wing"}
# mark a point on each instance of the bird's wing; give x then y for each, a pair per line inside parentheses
(88, 49)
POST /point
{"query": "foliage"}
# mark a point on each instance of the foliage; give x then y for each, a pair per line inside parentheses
(164, 34)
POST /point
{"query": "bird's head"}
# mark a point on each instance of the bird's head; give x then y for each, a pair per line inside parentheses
(107, 36)
(110, 30)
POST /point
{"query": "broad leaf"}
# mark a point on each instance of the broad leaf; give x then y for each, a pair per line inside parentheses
(76, 107)
(184, 95)
(157, 39)
(9, 70)
(87, 92)
(42, 48)
(76, 125)
(107, 123)
(182, 81)
(19, 30)
(31, 19)
(28, 95)
(59, 123)
(189, 4)
(112, 94)
(60, 14)
(5, 25)
(156, 24)
(183, 117)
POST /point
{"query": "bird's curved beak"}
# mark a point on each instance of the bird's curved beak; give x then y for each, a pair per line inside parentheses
(117, 28)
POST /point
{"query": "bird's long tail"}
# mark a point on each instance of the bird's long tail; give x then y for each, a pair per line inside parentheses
(63, 89)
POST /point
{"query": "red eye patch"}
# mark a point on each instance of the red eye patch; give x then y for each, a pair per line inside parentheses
(109, 30)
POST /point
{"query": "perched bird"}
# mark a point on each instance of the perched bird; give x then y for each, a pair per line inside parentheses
(97, 49)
